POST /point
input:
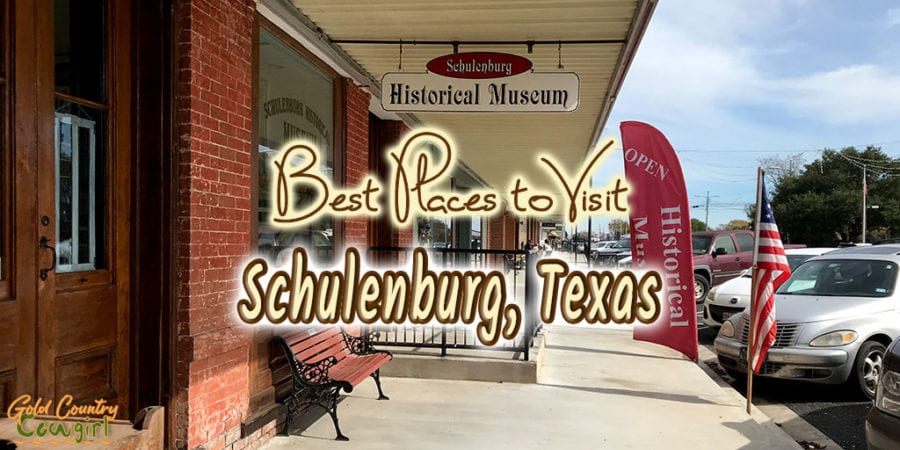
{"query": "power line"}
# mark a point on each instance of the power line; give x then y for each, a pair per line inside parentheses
(695, 150)
(806, 150)
(716, 166)
(861, 158)
(856, 161)
(719, 179)
(859, 162)
(886, 171)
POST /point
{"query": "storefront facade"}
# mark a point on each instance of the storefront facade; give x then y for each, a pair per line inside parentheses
(135, 141)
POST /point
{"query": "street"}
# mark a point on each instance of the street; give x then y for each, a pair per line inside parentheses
(836, 411)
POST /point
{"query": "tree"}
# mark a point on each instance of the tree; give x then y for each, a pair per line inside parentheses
(698, 225)
(778, 168)
(738, 224)
(822, 205)
(618, 228)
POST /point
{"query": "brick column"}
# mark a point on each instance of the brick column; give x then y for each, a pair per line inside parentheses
(501, 232)
(393, 131)
(509, 230)
(356, 229)
(383, 135)
(213, 94)
(496, 235)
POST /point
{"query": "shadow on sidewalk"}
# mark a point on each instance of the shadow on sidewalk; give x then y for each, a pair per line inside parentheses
(608, 352)
(679, 398)
(750, 430)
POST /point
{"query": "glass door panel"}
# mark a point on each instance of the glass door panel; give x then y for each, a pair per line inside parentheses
(79, 180)
(80, 48)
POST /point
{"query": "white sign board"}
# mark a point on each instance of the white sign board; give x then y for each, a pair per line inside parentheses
(525, 92)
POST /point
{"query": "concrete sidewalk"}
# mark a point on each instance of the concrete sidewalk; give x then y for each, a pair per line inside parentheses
(597, 389)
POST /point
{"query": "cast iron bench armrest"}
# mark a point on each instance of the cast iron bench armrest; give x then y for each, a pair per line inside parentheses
(315, 373)
(359, 345)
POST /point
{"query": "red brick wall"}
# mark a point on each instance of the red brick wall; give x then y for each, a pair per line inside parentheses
(402, 238)
(356, 229)
(494, 232)
(213, 94)
(393, 131)
(501, 232)
(509, 230)
(383, 135)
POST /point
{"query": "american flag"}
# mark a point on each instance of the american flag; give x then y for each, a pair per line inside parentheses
(772, 269)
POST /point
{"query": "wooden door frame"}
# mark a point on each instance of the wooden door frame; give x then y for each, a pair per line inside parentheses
(24, 145)
(153, 186)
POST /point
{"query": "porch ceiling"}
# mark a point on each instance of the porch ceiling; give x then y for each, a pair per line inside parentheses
(497, 145)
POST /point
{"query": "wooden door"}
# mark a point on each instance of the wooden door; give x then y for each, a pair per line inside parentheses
(67, 201)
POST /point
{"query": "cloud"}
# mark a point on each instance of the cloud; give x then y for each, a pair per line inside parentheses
(893, 17)
(731, 22)
(844, 96)
(744, 79)
(709, 71)
(680, 76)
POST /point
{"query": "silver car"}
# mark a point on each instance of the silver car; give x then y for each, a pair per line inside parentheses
(836, 314)
(610, 255)
(732, 296)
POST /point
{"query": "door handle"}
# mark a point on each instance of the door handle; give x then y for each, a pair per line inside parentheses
(45, 243)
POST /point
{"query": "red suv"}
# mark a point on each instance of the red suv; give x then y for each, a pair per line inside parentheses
(718, 257)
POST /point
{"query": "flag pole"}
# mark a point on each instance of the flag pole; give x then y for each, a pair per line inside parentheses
(751, 338)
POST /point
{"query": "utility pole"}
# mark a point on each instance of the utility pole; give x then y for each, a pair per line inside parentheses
(706, 220)
(706, 207)
(574, 243)
(587, 246)
(865, 193)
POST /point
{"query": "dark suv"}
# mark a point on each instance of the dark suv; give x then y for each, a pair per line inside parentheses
(718, 257)
(883, 421)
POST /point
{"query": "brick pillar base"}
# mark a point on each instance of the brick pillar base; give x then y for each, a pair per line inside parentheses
(213, 92)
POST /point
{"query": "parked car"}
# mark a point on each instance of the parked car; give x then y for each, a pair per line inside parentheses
(732, 296)
(883, 421)
(596, 246)
(835, 315)
(602, 244)
(279, 246)
(719, 256)
(611, 255)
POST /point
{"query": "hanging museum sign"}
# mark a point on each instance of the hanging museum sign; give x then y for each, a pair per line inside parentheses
(480, 82)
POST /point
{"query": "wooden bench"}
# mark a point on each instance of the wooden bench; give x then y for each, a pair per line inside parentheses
(324, 361)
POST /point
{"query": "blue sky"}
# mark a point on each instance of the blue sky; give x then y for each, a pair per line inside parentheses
(732, 82)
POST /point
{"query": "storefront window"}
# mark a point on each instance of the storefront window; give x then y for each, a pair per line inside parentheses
(296, 101)
(434, 232)
(476, 233)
